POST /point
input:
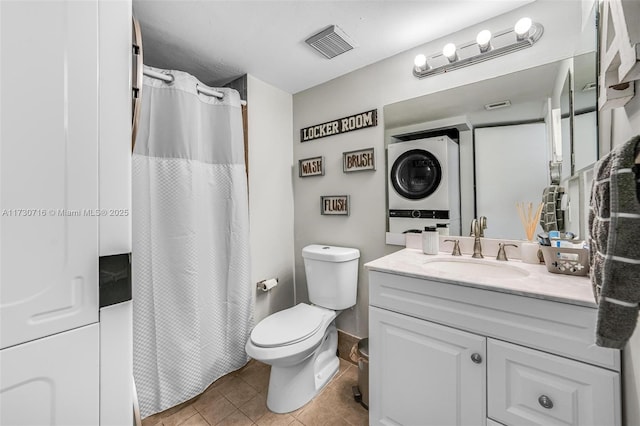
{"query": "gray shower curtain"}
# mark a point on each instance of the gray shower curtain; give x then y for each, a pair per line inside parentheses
(192, 300)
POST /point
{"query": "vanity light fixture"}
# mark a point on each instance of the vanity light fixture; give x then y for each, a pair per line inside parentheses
(522, 28)
(420, 63)
(525, 33)
(449, 51)
(484, 40)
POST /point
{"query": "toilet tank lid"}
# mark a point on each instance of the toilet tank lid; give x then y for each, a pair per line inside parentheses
(330, 253)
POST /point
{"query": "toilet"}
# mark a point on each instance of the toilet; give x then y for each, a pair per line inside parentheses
(300, 343)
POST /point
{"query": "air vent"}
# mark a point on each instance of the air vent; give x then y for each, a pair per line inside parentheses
(497, 105)
(331, 42)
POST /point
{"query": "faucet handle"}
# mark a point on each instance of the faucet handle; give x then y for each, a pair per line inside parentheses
(482, 225)
(474, 228)
(456, 247)
(502, 254)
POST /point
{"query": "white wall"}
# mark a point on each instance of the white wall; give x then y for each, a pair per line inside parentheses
(374, 86)
(625, 123)
(270, 194)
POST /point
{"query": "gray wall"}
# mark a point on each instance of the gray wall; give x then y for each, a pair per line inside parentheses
(374, 86)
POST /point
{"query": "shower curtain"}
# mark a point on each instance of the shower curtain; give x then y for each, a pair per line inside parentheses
(192, 300)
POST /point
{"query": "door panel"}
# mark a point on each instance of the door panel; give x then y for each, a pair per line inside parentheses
(422, 373)
(44, 383)
(504, 178)
(528, 387)
(48, 168)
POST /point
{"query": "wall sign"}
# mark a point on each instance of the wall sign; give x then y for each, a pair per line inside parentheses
(311, 167)
(355, 161)
(341, 125)
(335, 205)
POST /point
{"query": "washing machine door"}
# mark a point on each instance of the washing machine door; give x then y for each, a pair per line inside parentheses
(416, 174)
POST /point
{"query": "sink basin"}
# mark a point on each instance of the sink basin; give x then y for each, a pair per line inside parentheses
(474, 269)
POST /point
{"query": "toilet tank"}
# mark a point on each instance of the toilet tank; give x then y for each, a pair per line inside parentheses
(332, 275)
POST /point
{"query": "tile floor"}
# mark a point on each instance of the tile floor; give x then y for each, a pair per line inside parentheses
(239, 398)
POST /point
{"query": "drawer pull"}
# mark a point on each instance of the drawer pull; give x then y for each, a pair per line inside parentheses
(545, 401)
(476, 357)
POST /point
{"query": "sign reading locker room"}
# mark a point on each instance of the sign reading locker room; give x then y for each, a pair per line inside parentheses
(341, 125)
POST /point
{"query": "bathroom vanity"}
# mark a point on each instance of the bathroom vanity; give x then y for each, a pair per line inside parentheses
(461, 341)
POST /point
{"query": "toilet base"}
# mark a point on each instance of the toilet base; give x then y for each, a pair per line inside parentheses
(292, 387)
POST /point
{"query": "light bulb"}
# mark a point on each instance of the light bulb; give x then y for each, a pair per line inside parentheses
(484, 40)
(449, 50)
(522, 28)
(420, 62)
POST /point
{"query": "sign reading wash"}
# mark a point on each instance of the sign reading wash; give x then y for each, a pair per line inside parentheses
(341, 125)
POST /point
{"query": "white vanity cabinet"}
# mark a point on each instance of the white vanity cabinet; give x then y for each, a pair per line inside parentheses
(445, 353)
(427, 374)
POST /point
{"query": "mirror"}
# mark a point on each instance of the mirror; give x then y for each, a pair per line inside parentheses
(566, 125)
(585, 102)
(505, 135)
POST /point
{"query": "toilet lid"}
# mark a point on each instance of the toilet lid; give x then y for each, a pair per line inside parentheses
(287, 327)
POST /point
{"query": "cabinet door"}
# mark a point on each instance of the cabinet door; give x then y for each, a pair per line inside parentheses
(529, 387)
(48, 168)
(422, 373)
(52, 381)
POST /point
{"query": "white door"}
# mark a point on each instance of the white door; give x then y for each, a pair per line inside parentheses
(48, 168)
(511, 165)
(529, 387)
(422, 373)
(52, 381)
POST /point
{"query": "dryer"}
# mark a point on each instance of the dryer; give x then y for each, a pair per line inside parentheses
(423, 178)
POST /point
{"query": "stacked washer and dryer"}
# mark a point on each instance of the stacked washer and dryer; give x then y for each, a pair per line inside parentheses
(423, 184)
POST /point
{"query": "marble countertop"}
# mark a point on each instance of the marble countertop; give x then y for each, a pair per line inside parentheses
(539, 283)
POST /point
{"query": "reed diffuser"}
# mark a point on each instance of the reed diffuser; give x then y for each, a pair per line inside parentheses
(528, 218)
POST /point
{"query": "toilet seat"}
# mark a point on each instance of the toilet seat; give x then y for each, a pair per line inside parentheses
(289, 326)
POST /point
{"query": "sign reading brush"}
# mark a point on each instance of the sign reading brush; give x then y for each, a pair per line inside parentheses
(355, 161)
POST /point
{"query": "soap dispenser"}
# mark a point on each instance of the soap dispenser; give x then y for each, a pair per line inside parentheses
(430, 240)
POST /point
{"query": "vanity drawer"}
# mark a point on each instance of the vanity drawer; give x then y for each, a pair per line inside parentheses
(560, 328)
(528, 387)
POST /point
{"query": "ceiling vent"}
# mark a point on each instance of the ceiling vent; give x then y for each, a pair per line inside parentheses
(331, 42)
(497, 105)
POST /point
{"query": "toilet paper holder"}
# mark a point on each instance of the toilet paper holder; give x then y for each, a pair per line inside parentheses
(266, 285)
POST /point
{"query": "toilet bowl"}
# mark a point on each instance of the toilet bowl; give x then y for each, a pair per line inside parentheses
(300, 343)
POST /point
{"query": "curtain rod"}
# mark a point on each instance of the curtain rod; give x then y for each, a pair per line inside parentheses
(169, 78)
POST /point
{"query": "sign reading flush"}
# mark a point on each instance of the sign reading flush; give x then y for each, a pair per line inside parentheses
(334, 205)
(342, 125)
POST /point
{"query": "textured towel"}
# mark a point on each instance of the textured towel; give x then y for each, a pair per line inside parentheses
(614, 222)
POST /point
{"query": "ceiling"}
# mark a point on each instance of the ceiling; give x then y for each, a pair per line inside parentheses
(218, 41)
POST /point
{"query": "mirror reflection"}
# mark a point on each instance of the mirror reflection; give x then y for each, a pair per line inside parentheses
(505, 132)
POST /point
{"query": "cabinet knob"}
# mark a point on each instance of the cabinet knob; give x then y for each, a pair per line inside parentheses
(545, 401)
(476, 357)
